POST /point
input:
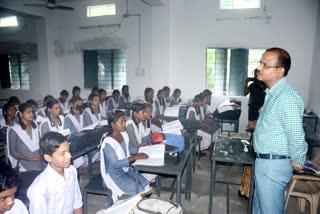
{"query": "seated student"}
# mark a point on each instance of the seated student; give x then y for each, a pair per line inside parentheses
(15, 101)
(133, 127)
(34, 107)
(167, 97)
(148, 95)
(74, 119)
(95, 90)
(175, 98)
(63, 100)
(206, 94)
(42, 111)
(125, 96)
(76, 90)
(92, 113)
(115, 159)
(149, 124)
(193, 113)
(54, 121)
(9, 113)
(8, 188)
(56, 190)
(23, 141)
(159, 105)
(103, 105)
(113, 102)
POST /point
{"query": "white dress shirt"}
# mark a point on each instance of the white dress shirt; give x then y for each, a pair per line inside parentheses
(17, 208)
(51, 193)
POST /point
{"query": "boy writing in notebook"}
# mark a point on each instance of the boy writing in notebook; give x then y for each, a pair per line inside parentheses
(56, 190)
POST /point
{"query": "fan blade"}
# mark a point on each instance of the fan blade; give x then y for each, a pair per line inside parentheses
(60, 7)
(35, 5)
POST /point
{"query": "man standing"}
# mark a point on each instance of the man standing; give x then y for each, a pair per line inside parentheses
(279, 138)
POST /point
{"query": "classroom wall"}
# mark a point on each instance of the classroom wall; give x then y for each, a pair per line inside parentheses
(314, 100)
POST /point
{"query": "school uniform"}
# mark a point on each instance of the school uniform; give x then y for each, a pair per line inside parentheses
(174, 101)
(135, 136)
(17, 208)
(123, 100)
(20, 141)
(167, 101)
(115, 169)
(90, 118)
(103, 109)
(46, 126)
(3, 123)
(52, 193)
(206, 138)
(64, 106)
(157, 108)
(41, 112)
(112, 104)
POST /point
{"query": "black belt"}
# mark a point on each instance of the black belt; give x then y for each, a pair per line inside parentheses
(271, 156)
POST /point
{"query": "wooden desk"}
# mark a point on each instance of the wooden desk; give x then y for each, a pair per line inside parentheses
(173, 166)
(227, 150)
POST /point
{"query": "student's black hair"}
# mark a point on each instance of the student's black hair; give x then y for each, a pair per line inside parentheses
(15, 100)
(95, 89)
(50, 104)
(137, 107)
(8, 177)
(198, 98)
(22, 108)
(113, 116)
(115, 92)
(166, 88)
(73, 100)
(125, 87)
(101, 91)
(146, 91)
(46, 98)
(75, 88)
(64, 93)
(90, 98)
(50, 142)
(32, 102)
(5, 109)
(207, 92)
(176, 91)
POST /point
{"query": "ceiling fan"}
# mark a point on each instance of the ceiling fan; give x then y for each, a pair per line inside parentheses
(51, 4)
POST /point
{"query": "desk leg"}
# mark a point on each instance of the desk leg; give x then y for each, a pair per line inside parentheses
(178, 196)
(189, 178)
(251, 190)
(212, 183)
(90, 156)
(137, 182)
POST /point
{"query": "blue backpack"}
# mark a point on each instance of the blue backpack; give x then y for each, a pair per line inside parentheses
(176, 141)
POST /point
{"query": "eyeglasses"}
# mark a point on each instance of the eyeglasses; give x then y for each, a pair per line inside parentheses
(266, 65)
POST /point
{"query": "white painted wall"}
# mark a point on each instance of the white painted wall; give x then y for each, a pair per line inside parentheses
(314, 100)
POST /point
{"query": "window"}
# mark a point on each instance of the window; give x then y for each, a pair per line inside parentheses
(239, 4)
(101, 10)
(227, 69)
(9, 21)
(105, 68)
(14, 71)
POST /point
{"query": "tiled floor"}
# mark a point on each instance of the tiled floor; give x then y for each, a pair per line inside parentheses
(200, 192)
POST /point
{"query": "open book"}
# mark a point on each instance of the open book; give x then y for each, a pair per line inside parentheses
(171, 111)
(173, 127)
(311, 169)
(155, 153)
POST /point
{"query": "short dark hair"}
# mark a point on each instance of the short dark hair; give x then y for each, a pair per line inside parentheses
(125, 87)
(50, 142)
(64, 93)
(284, 59)
(176, 91)
(14, 99)
(207, 92)
(116, 92)
(8, 177)
(136, 107)
(75, 88)
(101, 91)
(166, 88)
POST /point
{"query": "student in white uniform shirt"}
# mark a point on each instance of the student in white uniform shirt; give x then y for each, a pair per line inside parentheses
(54, 121)
(56, 190)
(113, 102)
(8, 188)
(103, 104)
(34, 105)
(148, 95)
(9, 112)
(125, 96)
(63, 100)
(92, 113)
(159, 104)
(42, 110)
(167, 97)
